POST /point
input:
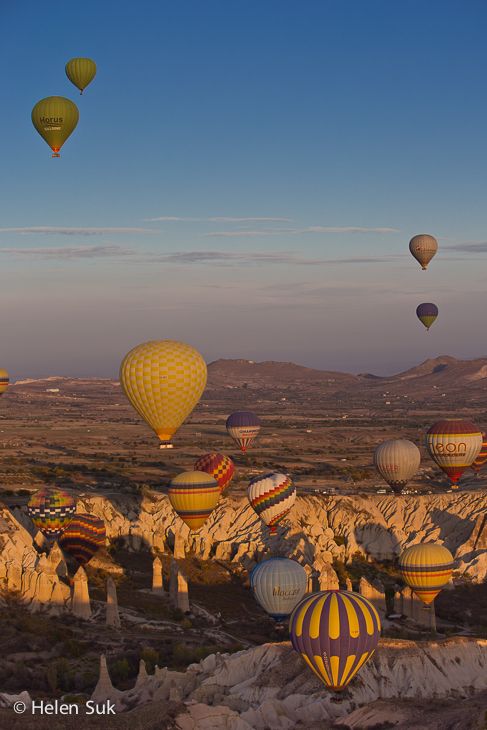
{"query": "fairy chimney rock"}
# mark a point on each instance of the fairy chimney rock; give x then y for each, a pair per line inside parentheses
(112, 619)
(57, 561)
(182, 600)
(157, 581)
(179, 553)
(81, 598)
(173, 581)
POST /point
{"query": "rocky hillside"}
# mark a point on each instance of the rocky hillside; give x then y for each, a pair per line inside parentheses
(380, 526)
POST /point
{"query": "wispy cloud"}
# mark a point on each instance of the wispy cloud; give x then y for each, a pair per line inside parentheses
(222, 220)
(69, 253)
(468, 247)
(311, 229)
(47, 231)
(219, 258)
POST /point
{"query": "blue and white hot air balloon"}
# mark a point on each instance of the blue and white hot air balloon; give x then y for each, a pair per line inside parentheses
(278, 585)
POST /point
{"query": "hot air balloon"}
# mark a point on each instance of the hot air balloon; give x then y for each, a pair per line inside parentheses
(482, 457)
(423, 248)
(51, 511)
(55, 118)
(335, 632)
(3, 381)
(427, 313)
(163, 380)
(272, 497)
(397, 461)
(81, 72)
(426, 568)
(243, 427)
(84, 535)
(219, 466)
(454, 444)
(194, 496)
(278, 585)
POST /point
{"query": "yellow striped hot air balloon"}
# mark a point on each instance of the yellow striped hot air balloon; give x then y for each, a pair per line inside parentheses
(163, 380)
(4, 380)
(193, 496)
(335, 632)
(426, 568)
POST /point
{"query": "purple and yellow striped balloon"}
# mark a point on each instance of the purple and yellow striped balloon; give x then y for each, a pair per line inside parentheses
(335, 632)
(272, 497)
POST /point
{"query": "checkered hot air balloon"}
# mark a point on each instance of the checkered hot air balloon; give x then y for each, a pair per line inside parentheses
(193, 496)
(482, 457)
(335, 632)
(454, 444)
(426, 568)
(51, 510)
(243, 427)
(163, 380)
(83, 537)
(219, 466)
(272, 497)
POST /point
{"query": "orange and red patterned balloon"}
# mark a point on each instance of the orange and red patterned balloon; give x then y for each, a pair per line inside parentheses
(219, 466)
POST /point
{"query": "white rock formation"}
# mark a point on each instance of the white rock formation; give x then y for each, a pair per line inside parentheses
(179, 551)
(270, 686)
(182, 598)
(157, 580)
(81, 598)
(112, 618)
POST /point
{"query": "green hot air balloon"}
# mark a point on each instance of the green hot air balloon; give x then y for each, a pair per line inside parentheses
(55, 118)
(81, 72)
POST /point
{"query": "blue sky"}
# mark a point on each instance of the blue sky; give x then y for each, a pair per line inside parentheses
(245, 177)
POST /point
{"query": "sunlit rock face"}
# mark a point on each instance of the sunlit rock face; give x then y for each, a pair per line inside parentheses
(270, 684)
(379, 526)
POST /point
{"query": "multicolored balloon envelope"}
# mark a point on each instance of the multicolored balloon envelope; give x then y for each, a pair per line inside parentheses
(81, 72)
(55, 118)
(423, 248)
(4, 380)
(51, 511)
(454, 444)
(397, 461)
(219, 466)
(278, 585)
(482, 457)
(427, 313)
(83, 537)
(193, 496)
(335, 632)
(426, 568)
(272, 497)
(243, 427)
(163, 380)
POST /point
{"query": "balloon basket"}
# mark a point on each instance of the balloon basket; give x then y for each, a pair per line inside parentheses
(56, 154)
(336, 699)
(166, 446)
